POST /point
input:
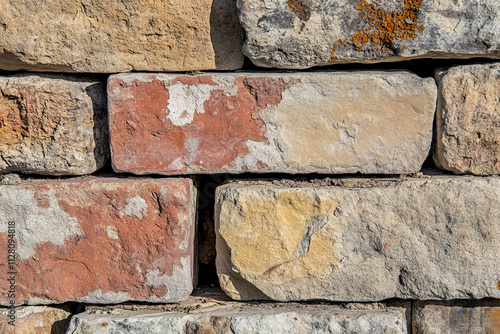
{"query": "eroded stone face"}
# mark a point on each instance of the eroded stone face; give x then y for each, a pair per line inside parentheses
(359, 239)
(99, 240)
(304, 33)
(52, 125)
(119, 36)
(468, 120)
(456, 317)
(323, 122)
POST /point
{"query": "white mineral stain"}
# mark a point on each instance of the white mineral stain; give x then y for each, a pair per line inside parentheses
(136, 207)
(33, 224)
(178, 285)
(185, 100)
(112, 232)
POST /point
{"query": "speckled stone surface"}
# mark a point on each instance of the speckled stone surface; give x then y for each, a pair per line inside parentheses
(304, 33)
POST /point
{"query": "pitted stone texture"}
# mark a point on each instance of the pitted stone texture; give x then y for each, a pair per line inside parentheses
(322, 122)
(119, 36)
(360, 239)
(468, 120)
(52, 125)
(35, 319)
(304, 33)
(458, 317)
(212, 316)
(99, 240)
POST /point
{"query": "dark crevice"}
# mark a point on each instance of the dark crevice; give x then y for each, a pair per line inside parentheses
(207, 184)
(424, 67)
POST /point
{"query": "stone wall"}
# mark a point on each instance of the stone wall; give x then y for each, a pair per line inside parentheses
(250, 166)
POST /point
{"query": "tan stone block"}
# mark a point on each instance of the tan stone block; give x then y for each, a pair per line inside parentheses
(52, 125)
(35, 319)
(119, 36)
(468, 120)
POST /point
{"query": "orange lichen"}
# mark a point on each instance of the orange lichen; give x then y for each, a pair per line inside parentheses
(301, 8)
(335, 46)
(385, 28)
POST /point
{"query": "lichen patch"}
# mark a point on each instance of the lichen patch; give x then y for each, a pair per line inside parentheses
(384, 28)
(302, 8)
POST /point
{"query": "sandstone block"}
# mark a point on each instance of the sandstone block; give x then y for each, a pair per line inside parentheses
(322, 122)
(207, 316)
(119, 36)
(468, 120)
(52, 125)
(459, 317)
(35, 319)
(359, 239)
(98, 240)
(303, 33)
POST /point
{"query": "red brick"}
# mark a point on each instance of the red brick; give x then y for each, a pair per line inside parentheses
(100, 240)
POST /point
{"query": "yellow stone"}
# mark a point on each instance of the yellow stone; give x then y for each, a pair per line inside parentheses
(279, 238)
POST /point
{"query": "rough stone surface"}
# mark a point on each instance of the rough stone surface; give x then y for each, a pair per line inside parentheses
(360, 239)
(473, 317)
(99, 240)
(323, 122)
(119, 36)
(52, 124)
(468, 120)
(35, 319)
(305, 33)
(208, 315)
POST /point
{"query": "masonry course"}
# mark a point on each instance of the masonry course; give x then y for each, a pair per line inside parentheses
(468, 119)
(322, 122)
(119, 36)
(364, 240)
(99, 240)
(215, 315)
(55, 125)
(298, 34)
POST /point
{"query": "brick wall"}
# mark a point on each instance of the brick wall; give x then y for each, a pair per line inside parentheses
(250, 166)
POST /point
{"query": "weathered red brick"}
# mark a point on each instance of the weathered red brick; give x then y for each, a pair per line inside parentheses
(288, 123)
(99, 240)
